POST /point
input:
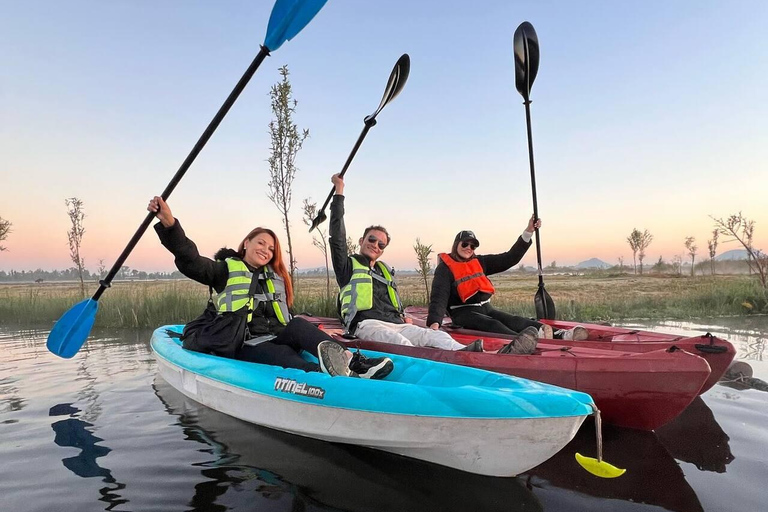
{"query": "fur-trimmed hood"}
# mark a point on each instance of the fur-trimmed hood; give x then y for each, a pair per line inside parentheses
(224, 253)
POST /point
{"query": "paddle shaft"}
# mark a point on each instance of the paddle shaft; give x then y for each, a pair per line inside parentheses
(369, 123)
(106, 282)
(527, 104)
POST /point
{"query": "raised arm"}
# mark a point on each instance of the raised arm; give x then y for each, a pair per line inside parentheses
(187, 258)
(338, 235)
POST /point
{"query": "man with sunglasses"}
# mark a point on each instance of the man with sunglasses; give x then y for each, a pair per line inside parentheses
(462, 289)
(369, 304)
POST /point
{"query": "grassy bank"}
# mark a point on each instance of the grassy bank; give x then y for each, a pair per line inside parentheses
(580, 298)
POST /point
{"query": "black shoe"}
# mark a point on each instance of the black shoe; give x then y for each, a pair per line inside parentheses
(475, 346)
(371, 367)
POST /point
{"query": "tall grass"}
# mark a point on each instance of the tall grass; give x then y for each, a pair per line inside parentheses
(579, 298)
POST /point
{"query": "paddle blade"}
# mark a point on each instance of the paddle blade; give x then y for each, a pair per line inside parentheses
(599, 467)
(526, 50)
(395, 84)
(72, 329)
(545, 306)
(318, 220)
(288, 18)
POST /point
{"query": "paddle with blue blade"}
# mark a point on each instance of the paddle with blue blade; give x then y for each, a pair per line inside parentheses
(288, 18)
(526, 50)
(395, 84)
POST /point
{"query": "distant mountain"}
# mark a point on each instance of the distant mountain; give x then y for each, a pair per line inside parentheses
(593, 263)
(735, 254)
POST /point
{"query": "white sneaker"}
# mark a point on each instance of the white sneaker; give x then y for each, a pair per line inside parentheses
(545, 331)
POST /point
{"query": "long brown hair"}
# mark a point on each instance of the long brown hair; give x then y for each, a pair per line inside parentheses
(276, 262)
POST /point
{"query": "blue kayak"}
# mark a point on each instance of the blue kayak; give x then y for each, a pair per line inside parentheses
(423, 409)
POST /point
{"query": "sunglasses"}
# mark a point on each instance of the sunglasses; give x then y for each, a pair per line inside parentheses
(472, 246)
(374, 240)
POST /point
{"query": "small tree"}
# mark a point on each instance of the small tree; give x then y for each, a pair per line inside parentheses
(677, 264)
(101, 270)
(351, 246)
(639, 242)
(425, 265)
(690, 244)
(739, 228)
(286, 143)
(75, 236)
(5, 229)
(621, 263)
(321, 242)
(712, 246)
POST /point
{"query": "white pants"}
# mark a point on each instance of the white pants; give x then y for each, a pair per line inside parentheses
(405, 334)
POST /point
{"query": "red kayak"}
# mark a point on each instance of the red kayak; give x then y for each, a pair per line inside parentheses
(641, 390)
(718, 352)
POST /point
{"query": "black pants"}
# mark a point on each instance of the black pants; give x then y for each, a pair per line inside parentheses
(284, 350)
(485, 318)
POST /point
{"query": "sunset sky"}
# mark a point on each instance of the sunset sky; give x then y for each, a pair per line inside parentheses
(649, 115)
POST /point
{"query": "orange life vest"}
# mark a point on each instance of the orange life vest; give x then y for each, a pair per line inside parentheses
(468, 276)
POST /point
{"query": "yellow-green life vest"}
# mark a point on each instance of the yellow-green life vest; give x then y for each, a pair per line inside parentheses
(357, 295)
(235, 294)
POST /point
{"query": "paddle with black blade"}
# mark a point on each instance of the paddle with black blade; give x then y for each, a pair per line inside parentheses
(526, 49)
(287, 19)
(395, 84)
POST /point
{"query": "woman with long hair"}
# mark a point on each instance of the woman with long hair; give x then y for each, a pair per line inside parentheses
(250, 317)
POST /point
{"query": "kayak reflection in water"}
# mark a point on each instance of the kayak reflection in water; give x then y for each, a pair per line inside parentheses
(461, 289)
(250, 318)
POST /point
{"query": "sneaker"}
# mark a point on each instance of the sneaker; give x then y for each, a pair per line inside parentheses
(475, 346)
(546, 332)
(523, 343)
(333, 359)
(577, 333)
(371, 367)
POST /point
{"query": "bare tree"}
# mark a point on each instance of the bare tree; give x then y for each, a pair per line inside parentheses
(639, 242)
(739, 228)
(75, 236)
(5, 229)
(286, 143)
(101, 270)
(712, 246)
(321, 242)
(425, 265)
(351, 246)
(690, 244)
(621, 263)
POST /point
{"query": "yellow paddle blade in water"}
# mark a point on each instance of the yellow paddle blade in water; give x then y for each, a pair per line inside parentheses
(598, 467)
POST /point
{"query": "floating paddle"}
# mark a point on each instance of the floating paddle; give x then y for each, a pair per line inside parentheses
(288, 18)
(599, 467)
(395, 84)
(526, 49)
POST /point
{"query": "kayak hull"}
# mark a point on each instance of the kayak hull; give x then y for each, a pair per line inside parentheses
(718, 352)
(346, 413)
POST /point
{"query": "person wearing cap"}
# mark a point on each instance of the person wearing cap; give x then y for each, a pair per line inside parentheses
(369, 304)
(461, 289)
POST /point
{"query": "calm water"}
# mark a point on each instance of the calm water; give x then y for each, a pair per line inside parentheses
(102, 432)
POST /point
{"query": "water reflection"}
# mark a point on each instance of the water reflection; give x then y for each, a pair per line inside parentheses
(302, 472)
(696, 437)
(74, 432)
(653, 476)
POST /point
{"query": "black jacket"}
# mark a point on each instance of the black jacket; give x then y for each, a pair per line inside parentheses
(213, 273)
(382, 305)
(444, 293)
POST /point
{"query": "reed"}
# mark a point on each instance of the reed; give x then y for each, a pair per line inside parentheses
(142, 304)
